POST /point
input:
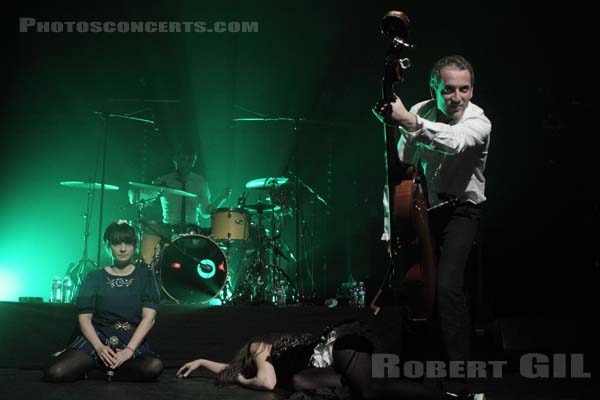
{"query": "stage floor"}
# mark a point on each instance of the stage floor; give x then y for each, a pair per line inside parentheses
(29, 333)
(27, 384)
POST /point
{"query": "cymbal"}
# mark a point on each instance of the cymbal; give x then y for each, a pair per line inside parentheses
(161, 189)
(88, 185)
(262, 208)
(266, 183)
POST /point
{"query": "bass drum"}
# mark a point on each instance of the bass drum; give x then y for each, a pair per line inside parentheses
(193, 269)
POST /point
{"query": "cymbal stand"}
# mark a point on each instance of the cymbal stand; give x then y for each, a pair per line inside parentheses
(260, 245)
(278, 278)
(272, 193)
(78, 270)
(140, 204)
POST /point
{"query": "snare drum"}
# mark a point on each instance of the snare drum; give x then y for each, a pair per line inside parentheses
(193, 269)
(229, 224)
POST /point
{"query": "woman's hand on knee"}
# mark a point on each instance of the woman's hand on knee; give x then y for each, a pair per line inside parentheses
(122, 356)
(107, 356)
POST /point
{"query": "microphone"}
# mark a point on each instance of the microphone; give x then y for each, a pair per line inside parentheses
(111, 342)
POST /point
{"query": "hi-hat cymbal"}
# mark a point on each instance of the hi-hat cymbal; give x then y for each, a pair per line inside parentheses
(262, 208)
(88, 185)
(266, 183)
(161, 189)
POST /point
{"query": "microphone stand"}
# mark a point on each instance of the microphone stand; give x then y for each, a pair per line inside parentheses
(297, 209)
(106, 117)
(299, 182)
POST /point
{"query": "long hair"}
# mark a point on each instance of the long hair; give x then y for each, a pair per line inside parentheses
(243, 363)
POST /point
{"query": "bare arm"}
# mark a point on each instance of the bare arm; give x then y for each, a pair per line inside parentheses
(216, 203)
(107, 356)
(212, 366)
(205, 208)
(147, 322)
(266, 378)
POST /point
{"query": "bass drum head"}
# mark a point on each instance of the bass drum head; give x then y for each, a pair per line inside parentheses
(193, 269)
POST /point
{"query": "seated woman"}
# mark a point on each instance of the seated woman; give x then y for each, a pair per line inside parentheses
(341, 357)
(116, 301)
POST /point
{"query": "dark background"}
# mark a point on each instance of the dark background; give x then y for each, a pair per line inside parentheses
(321, 61)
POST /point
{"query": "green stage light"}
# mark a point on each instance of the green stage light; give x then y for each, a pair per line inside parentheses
(10, 284)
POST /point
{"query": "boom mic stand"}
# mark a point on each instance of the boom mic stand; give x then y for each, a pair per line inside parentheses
(106, 117)
(300, 183)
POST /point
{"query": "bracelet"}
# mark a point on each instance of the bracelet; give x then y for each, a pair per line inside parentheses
(132, 350)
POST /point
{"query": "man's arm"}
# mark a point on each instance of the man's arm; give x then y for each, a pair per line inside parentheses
(396, 114)
(206, 207)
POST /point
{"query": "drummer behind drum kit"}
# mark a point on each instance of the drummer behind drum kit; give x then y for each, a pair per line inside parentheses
(191, 264)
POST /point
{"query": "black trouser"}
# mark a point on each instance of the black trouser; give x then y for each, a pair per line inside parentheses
(454, 230)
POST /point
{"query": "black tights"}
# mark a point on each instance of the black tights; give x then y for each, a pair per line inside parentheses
(73, 364)
(354, 369)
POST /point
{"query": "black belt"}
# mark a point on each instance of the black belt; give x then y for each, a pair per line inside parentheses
(124, 326)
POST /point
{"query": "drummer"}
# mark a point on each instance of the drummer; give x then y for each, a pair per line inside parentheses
(181, 212)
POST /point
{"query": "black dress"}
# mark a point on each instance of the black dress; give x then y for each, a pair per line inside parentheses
(116, 303)
(292, 353)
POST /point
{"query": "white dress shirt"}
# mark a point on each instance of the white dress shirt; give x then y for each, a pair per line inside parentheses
(453, 156)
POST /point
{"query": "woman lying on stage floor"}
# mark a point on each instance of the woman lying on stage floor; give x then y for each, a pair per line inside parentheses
(340, 359)
(118, 301)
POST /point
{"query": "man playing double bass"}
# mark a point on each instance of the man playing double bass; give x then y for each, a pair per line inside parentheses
(449, 137)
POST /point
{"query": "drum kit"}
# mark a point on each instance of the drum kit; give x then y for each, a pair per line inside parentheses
(191, 264)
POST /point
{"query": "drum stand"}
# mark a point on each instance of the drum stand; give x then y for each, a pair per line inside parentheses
(264, 280)
(77, 271)
(226, 295)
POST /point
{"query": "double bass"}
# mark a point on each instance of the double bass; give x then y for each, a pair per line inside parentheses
(406, 190)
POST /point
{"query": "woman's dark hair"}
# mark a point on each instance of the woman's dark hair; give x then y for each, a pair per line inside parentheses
(243, 363)
(117, 233)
